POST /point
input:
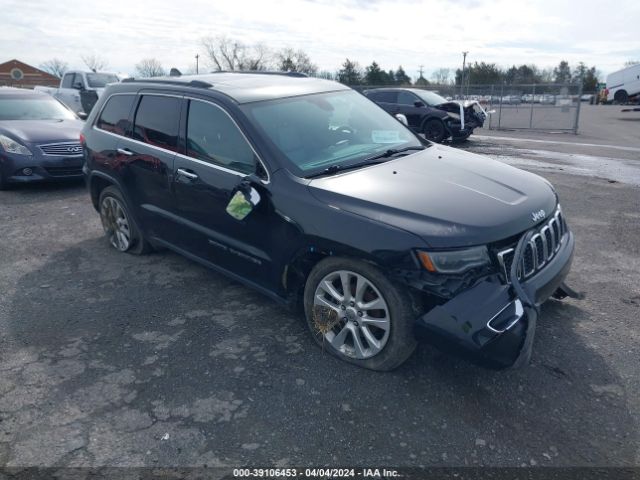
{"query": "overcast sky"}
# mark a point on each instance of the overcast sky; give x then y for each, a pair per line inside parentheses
(408, 32)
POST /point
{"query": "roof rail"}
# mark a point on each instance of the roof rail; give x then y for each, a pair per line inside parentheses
(266, 72)
(192, 83)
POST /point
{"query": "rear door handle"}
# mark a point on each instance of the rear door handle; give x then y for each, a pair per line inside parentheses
(125, 151)
(187, 174)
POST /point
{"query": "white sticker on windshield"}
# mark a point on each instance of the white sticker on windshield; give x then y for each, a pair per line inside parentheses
(385, 136)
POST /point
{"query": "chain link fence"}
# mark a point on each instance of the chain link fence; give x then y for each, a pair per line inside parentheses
(544, 107)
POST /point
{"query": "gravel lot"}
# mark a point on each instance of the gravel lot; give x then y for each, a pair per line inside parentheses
(111, 359)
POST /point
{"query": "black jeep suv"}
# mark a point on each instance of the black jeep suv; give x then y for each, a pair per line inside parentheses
(309, 192)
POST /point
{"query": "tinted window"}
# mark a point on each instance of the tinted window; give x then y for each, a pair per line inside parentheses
(213, 137)
(67, 80)
(115, 115)
(384, 97)
(407, 98)
(157, 121)
(100, 80)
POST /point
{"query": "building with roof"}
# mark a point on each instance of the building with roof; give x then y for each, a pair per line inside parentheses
(15, 73)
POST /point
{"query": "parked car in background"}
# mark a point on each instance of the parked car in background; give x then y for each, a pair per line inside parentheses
(80, 90)
(39, 138)
(430, 114)
(308, 192)
(623, 84)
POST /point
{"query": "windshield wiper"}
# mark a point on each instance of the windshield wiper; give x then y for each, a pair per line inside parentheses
(391, 152)
(373, 160)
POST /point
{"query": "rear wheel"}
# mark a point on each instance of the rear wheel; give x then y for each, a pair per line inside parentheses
(358, 315)
(434, 130)
(621, 96)
(118, 224)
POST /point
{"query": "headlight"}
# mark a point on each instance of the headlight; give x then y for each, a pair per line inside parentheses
(11, 146)
(454, 261)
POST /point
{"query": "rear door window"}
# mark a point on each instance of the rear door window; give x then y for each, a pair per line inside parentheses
(383, 97)
(115, 114)
(157, 121)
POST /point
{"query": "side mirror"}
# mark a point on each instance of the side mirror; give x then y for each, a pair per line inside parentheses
(245, 198)
(402, 119)
(418, 104)
(82, 115)
(78, 86)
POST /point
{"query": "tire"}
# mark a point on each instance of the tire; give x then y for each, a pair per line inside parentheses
(119, 225)
(3, 184)
(434, 130)
(378, 339)
(461, 138)
(621, 96)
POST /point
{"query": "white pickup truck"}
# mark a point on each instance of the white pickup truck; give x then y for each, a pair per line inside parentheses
(80, 90)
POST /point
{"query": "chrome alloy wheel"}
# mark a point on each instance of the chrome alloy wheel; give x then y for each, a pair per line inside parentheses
(362, 327)
(115, 223)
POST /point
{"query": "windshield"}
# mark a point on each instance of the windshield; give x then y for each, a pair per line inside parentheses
(33, 108)
(100, 80)
(328, 129)
(430, 98)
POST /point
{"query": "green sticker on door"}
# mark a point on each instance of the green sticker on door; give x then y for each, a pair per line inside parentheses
(242, 203)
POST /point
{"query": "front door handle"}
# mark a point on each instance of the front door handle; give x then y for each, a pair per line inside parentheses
(125, 151)
(187, 174)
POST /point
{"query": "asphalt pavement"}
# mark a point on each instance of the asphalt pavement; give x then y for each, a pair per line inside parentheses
(118, 360)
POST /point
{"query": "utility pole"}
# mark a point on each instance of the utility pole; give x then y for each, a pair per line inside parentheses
(420, 70)
(464, 62)
(197, 57)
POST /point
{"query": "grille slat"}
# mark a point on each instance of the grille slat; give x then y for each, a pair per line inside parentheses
(68, 149)
(63, 171)
(541, 248)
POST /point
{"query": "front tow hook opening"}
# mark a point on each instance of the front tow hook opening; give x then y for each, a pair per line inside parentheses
(506, 318)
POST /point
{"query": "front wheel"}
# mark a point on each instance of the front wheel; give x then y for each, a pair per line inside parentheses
(118, 224)
(435, 130)
(358, 315)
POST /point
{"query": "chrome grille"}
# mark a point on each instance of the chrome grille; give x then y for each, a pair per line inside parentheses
(67, 149)
(541, 249)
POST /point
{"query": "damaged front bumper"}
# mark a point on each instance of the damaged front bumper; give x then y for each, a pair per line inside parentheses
(493, 322)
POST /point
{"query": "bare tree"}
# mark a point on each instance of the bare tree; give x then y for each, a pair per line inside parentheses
(150, 67)
(225, 53)
(94, 62)
(290, 60)
(441, 76)
(55, 67)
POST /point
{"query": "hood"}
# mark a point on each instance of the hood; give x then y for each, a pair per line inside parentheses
(448, 197)
(42, 131)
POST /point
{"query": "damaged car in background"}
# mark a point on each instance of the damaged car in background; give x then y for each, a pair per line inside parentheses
(430, 114)
(308, 192)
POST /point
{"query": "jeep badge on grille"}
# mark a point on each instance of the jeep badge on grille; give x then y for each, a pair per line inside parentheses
(539, 215)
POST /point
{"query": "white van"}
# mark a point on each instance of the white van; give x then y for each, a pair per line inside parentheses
(623, 84)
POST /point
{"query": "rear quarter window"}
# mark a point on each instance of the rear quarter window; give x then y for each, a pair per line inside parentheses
(115, 114)
(157, 121)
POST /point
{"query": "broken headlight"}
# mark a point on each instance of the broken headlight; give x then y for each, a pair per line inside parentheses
(454, 261)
